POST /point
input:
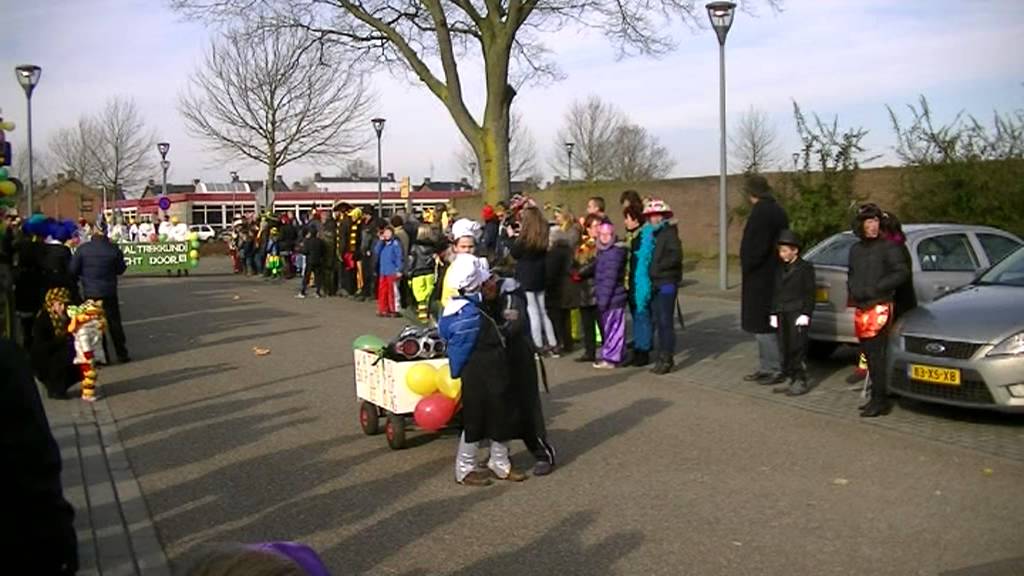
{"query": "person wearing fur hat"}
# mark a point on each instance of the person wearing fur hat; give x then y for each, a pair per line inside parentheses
(758, 261)
(792, 307)
(877, 268)
(665, 272)
(475, 347)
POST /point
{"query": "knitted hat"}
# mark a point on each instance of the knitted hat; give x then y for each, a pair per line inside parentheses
(488, 213)
(654, 206)
(465, 227)
(467, 273)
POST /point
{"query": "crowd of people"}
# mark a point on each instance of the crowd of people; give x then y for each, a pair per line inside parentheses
(58, 266)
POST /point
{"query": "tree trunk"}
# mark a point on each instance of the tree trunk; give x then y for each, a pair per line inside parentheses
(268, 188)
(493, 150)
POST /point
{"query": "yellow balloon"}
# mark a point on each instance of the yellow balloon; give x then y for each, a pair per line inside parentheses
(7, 188)
(450, 387)
(194, 254)
(422, 378)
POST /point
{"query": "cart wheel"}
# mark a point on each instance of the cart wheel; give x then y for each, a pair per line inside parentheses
(394, 429)
(369, 419)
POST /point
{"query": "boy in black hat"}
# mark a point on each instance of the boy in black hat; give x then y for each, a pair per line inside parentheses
(792, 306)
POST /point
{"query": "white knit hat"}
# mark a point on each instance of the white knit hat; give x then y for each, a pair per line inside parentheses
(465, 227)
(468, 273)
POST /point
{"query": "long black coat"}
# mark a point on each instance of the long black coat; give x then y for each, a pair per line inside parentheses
(758, 260)
(489, 406)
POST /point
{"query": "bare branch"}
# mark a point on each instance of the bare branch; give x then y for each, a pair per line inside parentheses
(754, 141)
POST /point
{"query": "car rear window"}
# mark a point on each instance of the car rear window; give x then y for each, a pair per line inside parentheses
(834, 251)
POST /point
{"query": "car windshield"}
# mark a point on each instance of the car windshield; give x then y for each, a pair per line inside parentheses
(834, 251)
(1008, 272)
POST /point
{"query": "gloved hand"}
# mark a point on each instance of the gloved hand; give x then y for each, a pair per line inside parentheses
(773, 321)
(803, 320)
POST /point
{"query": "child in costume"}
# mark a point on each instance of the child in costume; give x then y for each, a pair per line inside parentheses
(610, 291)
(52, 350)
(389, 270)
(582, 275)
(274, 264)
(792, 306)
(88, 325)
(423, 270)
(475, 348)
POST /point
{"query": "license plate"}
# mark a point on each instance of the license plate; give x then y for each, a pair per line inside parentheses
(944, 376)
(821, 295)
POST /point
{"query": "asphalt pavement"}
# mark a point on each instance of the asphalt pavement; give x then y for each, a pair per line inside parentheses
(690, 473)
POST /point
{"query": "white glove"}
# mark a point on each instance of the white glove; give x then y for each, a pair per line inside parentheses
(773, 321)
(803, 320)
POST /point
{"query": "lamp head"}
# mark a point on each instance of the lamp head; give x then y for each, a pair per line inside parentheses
(165, 165)
(569, 146)
(163, 148)
(378, 125)
(28, 76)
(721, 15)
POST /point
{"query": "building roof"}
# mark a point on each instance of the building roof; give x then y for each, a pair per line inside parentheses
(153, 190)
(257, 185)
(445, 186)
(64, 183)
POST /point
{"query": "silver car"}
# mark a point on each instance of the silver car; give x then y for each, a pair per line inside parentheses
(966, 348)
(944, 257)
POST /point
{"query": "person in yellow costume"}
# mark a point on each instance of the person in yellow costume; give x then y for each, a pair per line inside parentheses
(422, 266)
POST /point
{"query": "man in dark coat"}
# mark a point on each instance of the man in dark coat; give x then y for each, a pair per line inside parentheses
(37, 526)
(97, 264)
(758, 262)
(329, 265)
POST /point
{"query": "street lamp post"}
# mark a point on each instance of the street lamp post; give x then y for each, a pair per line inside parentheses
(234, 201)
(163, 148)
(28, 76)
(378, 127)
(568, 148)
(721, 15)
(472, 174)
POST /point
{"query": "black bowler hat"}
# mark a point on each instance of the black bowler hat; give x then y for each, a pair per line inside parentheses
(788, 238)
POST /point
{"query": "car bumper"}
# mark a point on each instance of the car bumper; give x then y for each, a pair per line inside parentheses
(829, 325)
(984, 382)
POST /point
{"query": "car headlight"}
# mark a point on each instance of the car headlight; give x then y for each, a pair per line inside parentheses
(1012, 346)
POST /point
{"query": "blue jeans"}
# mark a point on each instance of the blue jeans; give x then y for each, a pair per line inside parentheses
(663, 308)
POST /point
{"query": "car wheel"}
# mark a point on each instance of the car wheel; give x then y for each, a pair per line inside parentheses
(821, 350)
(369, 418)
(394, 431)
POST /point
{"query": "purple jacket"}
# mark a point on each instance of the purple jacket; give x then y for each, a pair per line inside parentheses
(609, 277)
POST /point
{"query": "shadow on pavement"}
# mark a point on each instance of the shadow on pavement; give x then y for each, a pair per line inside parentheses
(957, 414)
(562, 542)
(707, 338)
(167, 378)
(572, 444)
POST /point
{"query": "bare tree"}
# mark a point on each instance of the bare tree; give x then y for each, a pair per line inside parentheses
(592, 125)
(522, 153)
(272, 96)
(359, 167)
(755, 145)
(120, 145)
(639, 156)
(429, 38)
(69, 147)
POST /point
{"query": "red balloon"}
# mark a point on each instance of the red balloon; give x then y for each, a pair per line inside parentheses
(434, 411)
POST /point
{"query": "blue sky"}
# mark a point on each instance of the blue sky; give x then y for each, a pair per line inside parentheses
(844, 57)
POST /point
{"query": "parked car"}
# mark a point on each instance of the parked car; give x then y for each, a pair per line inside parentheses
(944, 257)
(966, 348)
(205, 231)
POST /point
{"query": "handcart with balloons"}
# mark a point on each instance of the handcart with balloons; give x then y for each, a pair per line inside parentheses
(404, 382)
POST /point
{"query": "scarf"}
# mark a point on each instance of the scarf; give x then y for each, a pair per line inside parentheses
(59, 321)
(644, 255)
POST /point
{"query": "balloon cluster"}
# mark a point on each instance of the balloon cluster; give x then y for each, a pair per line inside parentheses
(8, 187)
(193, 249)
(43, 227)
(440, 395)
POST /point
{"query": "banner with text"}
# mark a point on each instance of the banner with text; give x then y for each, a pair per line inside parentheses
(142, 257)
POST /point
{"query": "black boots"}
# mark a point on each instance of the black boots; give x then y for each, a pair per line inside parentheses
(663, 364)
(640, 358)
(875, 409)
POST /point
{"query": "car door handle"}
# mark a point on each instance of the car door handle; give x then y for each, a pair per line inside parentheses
(942, 288)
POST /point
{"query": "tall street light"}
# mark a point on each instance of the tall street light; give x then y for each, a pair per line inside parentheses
(234, 202)
(163, 148)
(378, 127)
(721, 15)
(28, 76)
(568, 148)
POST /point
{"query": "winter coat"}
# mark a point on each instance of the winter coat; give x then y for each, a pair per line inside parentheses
(421, 259)
(313, 248)
(560, 290)
(389, 257)
(29, 287)
(289, 238)
(52, 355)
(530, 267)
(37, 523)
(489, 238)
(478, 353)
(877, 268)
(643, 251)
(55, 267)
(633, 244)
(403, 240)
(794, 288)
(667, 260)
(609, 270)
(329, 235)
(97, 265)
(758, 260)
(905, 298)
(583, 272)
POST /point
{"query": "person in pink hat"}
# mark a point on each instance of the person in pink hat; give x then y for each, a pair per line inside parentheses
(666, 272)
